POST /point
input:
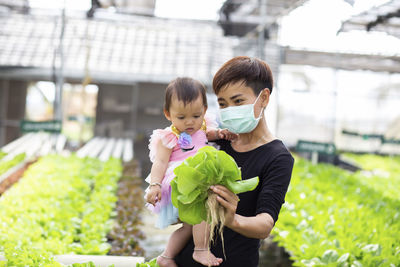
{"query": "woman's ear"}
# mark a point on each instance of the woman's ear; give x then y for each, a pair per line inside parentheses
(167, 115)
(265, 93)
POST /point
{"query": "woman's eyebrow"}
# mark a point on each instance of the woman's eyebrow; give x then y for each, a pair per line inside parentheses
(235, 96)
(232, 97)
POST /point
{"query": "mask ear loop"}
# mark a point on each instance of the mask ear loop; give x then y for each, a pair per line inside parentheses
(262, 109)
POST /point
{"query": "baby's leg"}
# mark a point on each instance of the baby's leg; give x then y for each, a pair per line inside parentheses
(175, 244)
(201, 253)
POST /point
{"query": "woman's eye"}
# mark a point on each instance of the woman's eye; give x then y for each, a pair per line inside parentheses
(238, 101)
(221, 105)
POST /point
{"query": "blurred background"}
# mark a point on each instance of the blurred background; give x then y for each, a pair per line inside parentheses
(91, 74)
(101, 67)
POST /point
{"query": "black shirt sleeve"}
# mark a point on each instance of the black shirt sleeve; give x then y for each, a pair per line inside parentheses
(275, 181)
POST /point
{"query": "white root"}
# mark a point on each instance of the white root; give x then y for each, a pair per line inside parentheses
(216, 218)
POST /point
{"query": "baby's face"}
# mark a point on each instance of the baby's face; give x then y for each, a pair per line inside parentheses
(186, 118)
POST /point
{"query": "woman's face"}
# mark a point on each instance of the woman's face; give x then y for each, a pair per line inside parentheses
(237, 94)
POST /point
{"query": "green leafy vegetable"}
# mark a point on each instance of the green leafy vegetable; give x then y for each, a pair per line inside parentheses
(190, 187)
(6, 165)
(152, 263)
(332, 217)
(61, 205)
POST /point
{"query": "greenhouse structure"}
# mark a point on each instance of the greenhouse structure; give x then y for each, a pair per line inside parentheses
(82, 89)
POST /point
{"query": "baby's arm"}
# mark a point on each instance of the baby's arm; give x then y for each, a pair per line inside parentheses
(157, 173)
(215, 134)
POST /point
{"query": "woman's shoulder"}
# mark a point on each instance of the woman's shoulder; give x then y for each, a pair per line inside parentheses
(277, 147)
(277, 151)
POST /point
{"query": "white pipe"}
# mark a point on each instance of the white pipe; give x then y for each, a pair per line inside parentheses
(128, 150)
(21, 148)
(35, 144)
(46, 146)
(106, 153)
(83, 151)
(14, 144)
(97, 147)
(60, 143)
(98, 260)
(117, 153)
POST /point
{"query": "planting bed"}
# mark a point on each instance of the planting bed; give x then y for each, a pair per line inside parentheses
(7, 163)
(66, 205)
(12, 178)
(337, 218)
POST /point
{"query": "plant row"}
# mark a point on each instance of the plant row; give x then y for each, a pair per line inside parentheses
(380, 172)
(335, 218)
(8, 164)
(62, 205)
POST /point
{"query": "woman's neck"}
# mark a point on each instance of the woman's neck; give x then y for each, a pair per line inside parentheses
(248, 141)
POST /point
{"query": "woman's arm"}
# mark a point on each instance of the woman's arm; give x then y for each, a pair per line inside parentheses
(258, 226)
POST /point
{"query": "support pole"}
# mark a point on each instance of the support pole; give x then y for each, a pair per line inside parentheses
(3, 111)
(59, 71)
(261, 33)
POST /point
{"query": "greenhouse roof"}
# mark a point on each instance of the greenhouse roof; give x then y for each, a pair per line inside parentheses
(145, 47)
(383, 18)
(341, 60)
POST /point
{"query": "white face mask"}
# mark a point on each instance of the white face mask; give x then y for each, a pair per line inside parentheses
(240, 119)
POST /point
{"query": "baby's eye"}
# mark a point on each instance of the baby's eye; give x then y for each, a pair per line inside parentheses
(181, 118)
(196, 116)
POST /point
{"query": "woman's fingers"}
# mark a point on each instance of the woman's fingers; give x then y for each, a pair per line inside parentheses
(225, 193)
(227, 199)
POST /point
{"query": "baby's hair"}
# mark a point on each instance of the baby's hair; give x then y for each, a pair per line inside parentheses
(186, 89)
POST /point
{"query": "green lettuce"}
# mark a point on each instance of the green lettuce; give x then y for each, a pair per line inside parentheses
(196, 174)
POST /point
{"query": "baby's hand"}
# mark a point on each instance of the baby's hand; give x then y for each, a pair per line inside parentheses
(154, 195)
(226, 134)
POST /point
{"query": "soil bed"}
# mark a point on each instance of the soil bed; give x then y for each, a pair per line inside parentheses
(126, 234)
(272, 255)
(13, 178)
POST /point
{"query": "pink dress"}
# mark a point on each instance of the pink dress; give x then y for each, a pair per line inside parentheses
(167, 213)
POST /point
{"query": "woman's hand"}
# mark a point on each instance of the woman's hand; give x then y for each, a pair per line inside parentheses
(226, 134)
(154, 195)
(229, 201)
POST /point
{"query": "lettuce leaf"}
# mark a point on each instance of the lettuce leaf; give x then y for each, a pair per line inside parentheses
(195, 176)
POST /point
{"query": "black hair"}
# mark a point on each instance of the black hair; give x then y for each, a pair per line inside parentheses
(254, 72)
(186, 89)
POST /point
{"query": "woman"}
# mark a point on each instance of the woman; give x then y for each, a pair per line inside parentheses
(243, 86)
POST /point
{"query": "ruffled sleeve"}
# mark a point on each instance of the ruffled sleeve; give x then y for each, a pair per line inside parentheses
(166, 136)
(211, 120)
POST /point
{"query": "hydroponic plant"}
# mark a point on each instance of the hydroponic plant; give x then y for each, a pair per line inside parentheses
(61, 205)
(191, 192)
(6, 165)
(333, 218)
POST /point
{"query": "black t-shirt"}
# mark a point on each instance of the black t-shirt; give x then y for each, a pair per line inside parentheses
(273, 164)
